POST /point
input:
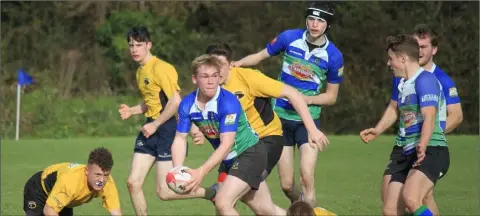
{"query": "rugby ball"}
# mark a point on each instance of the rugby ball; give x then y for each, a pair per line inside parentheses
(177, 178)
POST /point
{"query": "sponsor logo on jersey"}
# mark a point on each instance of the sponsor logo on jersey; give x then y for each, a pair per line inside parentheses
(208, 130)
(453, 92)
(230, 119)
(409, 118)
(340, 72)
(301, 72)
(430, 97)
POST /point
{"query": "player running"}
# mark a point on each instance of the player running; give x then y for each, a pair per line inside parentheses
(157, 82)
(309, 60)
(254, 90)
(420, 150)
(60, 187)
(220, 117)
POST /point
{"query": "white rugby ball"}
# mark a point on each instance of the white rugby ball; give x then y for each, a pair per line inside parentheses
(177, 178)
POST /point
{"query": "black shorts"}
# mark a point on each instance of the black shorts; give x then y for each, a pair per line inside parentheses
(434, 166)
(34, 198)
(274, 147)
(250, 166)
(295, 132)
(160, 143)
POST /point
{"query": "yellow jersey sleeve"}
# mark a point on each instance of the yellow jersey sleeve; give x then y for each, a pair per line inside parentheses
(167, 78)
(61, 195)
(109, 194)
(261, 85)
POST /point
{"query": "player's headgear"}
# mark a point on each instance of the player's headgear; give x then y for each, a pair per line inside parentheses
(321, 10)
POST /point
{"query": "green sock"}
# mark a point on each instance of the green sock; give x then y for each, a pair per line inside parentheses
(209, 193)
(423, 211)
(407, 214)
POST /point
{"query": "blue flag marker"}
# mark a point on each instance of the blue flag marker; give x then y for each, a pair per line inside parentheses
(23, 78)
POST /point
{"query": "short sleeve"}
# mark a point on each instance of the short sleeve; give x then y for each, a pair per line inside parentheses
(449, 90)
(335, 70)
(184, 123)
(61, 195)
(427, 88)
(394, 94)
(167, 78)
(230, 112)
(278, 44)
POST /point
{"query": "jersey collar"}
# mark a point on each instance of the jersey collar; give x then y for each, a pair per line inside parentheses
(434, 67)
(305, 45)
(210, 101)
(409, 81)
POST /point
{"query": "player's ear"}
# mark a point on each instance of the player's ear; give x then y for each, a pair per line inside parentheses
(194, 79)
(149, 45)
(86, 170)
(434, 50)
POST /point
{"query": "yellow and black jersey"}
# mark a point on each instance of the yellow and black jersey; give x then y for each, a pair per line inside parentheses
(254, 90)
(66, 186)
(157, 81)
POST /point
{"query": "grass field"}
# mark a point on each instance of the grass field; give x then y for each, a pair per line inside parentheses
(348, 175)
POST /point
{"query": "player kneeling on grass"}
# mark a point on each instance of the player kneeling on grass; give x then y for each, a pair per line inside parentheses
(420, 156)
(220, 117)
(61, 187)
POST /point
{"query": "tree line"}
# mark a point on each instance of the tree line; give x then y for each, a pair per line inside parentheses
(78, 55)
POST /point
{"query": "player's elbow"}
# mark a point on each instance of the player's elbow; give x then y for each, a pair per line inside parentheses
(332, 99)
(176, 99)
(459, 117)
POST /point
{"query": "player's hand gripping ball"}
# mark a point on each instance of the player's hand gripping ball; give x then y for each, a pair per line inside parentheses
(177, 179)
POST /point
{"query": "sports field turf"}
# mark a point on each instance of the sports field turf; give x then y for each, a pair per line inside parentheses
(348, 175)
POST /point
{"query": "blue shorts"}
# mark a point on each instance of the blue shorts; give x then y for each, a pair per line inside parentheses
(159, 144)
(295, 132)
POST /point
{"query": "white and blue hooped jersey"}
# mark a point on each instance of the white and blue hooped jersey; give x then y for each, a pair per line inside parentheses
(223, 113)
(304, 70)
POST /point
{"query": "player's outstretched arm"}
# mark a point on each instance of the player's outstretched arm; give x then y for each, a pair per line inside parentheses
(252, 59)
(179, 148)
(329, 97)
(301, 107)
(389, 117)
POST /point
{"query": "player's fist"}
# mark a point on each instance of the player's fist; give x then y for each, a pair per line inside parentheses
(368, 135)
(124, 111)
(235, 64)
(149, 129)
(197, 135)
(318, 140)
(198, 138)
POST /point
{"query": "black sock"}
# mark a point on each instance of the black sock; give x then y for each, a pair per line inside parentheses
(209, 193)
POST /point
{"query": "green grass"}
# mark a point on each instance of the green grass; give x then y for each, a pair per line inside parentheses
(348, 175)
